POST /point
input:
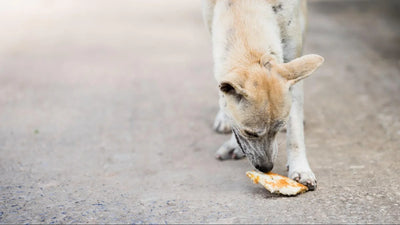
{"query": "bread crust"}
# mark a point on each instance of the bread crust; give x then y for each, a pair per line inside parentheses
(276, 183)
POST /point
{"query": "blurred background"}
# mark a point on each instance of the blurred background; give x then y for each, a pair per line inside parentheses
(106, 112)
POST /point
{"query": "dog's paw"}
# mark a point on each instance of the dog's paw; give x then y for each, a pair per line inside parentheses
(222, 123)
(305, 177)
(238, 153)
(229, 150)
(224, 153)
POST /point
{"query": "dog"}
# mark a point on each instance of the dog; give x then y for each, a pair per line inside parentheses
(257, 48)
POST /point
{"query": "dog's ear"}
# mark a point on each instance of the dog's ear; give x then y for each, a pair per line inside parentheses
(301, 67)
(230, 88)
(227, 87)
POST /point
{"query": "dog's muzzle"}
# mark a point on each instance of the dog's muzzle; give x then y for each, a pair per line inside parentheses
(260, 152)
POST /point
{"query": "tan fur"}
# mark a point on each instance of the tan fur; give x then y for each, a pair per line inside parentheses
(266, 90)
(265, 93)
(241, 39)
(257, 46)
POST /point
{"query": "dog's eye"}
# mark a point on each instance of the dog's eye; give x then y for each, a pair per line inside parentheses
(251, 134)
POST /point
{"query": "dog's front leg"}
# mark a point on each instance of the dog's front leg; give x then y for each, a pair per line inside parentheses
(298, 166)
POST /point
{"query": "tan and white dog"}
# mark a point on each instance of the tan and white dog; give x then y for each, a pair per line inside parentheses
(257, 47)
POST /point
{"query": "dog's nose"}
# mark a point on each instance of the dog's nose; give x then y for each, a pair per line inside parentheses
(265, 168)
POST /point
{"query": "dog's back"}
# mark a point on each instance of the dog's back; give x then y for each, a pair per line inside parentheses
(285, 17)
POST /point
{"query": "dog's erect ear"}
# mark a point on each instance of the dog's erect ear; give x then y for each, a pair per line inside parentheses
(301, 67)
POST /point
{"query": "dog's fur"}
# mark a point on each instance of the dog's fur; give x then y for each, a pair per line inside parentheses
(257, 46)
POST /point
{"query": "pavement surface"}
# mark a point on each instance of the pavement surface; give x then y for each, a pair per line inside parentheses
(106, 112)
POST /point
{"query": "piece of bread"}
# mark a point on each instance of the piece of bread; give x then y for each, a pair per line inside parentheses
(276, 183)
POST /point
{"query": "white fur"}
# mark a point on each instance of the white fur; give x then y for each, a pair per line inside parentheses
(297, 162)
(229, 149)
(266, 29)
(259, 23)
(222, 123)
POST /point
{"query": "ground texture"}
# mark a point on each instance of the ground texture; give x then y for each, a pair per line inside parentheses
(106, 112)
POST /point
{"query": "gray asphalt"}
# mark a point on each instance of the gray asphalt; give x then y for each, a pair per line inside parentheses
(106, 112)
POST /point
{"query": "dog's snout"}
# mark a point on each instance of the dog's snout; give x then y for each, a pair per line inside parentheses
(265, 167)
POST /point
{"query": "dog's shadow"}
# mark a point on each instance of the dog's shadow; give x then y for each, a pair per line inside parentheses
(264, 193)
(260, 191)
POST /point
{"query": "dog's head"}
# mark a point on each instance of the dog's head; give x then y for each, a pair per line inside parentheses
(257, 99)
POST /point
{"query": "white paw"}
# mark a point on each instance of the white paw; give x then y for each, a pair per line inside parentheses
(230, 150)
(221, 123)
(238, 153)
(304, 176)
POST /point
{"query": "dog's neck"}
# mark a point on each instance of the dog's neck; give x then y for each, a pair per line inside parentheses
(242, 34)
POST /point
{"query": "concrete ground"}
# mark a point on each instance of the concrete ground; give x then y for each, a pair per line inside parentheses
(106, 109)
